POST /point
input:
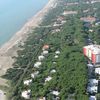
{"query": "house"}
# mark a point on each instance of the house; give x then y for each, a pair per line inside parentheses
(92, 98)
(90, 65)
(41, 57)
(90, 68)
(93, 82)
(92, 89)
(70, 12)
(55, 30)
(54, 62)
(48, 79)
(26, 94)
(85, 11)
(92, 52)
(57, 52)
(37, 64)
(45, 47)
(42, 98)
(90, 30)
(27, 82)
(56, 56)
(63, 22)
(87, 25)
(97, 22)
(57, 98)
(88, 19)
(97, 71)
(33, 75)
(72, 3)
(45, 52)
(56, 93)
(53, 71)
(57, 24)
(60, 18)
(94, 1)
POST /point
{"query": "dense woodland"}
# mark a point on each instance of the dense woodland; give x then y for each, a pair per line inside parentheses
(71, 76)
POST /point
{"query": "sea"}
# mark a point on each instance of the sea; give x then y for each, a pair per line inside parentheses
(14, 14)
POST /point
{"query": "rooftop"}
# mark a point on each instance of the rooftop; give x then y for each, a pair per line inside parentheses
(56, 93)
(37, 64)
(92, 89)
(26, 94)
(97, 71)
(46, 46)
(88, 19)
(92, 98)
(48, 78)
(69, 12)
(94, 48)
(27, 82)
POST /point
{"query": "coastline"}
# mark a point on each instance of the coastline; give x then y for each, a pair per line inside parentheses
(31, 24)
(9, 49)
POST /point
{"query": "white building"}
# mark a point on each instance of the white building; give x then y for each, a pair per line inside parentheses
(45, 52)
(26, 94)
(63, 22)
(92, 98)
(42, 98)
(54, 62)
(97, 23)
(93, 82)
(48, 79)
(90, 30)
(93, 89)
(41, 57)
(33, 75)
(97, 71)
(57, 52)
(70, 12)
(90, 65)
(53, 71)
(56, 93)
(56, 24)
(55, 30)
(27, 82)
(37, 64)
(56, 56)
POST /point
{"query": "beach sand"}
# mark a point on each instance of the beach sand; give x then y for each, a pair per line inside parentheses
(9, 49)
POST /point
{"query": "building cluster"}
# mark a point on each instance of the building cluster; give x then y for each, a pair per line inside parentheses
(61, 20)
(90, 22)
(92, 53)
(26, 94)
(91, 1)
(57, 25)
(88, 19)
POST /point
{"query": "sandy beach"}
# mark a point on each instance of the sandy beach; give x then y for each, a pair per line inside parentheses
(8, 50)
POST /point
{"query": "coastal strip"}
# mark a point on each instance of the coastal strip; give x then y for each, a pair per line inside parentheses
(9, 49)
(31, 24)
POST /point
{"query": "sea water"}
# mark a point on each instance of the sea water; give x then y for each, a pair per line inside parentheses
(14, 14)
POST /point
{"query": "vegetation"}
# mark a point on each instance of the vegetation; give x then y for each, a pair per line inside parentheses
(71, 76)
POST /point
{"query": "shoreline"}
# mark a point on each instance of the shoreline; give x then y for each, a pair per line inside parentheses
(9, 49)
(31, 24)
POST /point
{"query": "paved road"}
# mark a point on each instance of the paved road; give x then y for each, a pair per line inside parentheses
(2, 96)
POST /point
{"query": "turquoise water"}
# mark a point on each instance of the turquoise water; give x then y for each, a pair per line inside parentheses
(14, 14)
